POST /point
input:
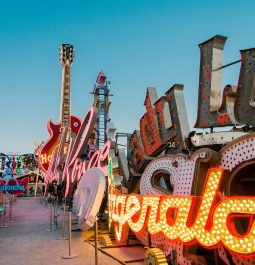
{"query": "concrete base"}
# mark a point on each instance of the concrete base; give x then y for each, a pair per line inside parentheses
(70, 257)
(62, 238)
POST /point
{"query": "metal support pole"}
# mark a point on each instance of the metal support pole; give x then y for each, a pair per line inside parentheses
(96, 242)
(70, 256)
(63, 224)
(36, 182)
(226, 65)
(56, 214)
(4, 225)
(10, 213)
(54, 210)
(46, 201)
(70, 232)
(50, 229)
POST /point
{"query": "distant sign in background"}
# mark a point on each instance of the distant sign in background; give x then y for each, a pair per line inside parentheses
(17, 164)
(14, 186)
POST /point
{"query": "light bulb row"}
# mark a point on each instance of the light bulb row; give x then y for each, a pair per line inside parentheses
(172, 215)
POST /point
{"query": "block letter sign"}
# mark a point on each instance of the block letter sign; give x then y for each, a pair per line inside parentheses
(164, 123)
(238, 104)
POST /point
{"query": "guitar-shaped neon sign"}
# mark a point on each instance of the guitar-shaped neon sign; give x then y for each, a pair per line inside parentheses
(71, 122)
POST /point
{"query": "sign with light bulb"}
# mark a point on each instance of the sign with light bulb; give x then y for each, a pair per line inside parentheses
(208, 219)
(165, 158)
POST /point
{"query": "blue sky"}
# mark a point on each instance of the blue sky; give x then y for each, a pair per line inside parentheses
(137, 43)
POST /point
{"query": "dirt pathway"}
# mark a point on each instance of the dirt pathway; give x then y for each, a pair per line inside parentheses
(26, 242)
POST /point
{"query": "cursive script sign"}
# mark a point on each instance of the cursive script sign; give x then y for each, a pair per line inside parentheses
(208, 219)
(75, 167)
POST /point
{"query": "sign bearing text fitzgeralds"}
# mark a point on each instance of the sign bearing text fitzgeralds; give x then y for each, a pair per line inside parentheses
(207, 219)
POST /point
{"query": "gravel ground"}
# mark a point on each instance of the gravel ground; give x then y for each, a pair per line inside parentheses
(26, 242)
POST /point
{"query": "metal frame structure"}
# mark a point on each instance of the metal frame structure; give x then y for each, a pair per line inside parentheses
(101, 102)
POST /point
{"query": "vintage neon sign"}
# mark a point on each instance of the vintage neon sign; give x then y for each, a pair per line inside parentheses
(73, 174)
(75, 167)
(13, 185)
(207, 219)
(66, 120)
(237, 106)
(164, 123)
(88, 197)
(12, 188)
(46, 151)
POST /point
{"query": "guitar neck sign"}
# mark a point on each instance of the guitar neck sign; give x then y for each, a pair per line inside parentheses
(73, 123)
